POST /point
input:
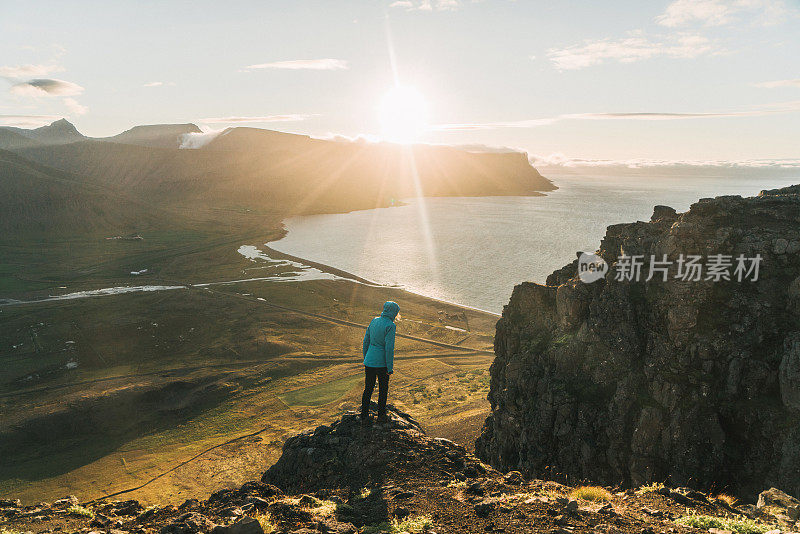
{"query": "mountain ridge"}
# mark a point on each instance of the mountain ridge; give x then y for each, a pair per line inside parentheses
(281, 174)
(154, 135)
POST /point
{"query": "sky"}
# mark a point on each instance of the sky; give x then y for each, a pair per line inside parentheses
(682, 80)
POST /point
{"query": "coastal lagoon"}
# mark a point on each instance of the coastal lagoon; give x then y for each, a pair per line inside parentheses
(472, 251)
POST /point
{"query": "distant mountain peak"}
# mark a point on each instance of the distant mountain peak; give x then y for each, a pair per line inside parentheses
(56, 133)
(61, 125)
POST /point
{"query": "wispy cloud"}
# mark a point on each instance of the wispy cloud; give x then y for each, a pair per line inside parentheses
(559, 159)
(27, 121)
(344, 138)
(265, 118)
(722, 12)
(772, 109)
(157, 84)
(28, 71)
(427, 5)
(199, 139)
(303, 64)
(630, 50)
(46, 87)
(74, 107)
(779, 83)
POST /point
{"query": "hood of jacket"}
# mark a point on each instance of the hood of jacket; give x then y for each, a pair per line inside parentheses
(390, 310)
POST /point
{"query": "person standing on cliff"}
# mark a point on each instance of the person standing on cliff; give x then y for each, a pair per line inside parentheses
(378, 349)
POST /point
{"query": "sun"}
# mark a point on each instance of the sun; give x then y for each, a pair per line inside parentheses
(403, 115)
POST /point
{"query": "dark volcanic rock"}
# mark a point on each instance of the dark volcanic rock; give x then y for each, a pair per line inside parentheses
(190, 523)
(776, 502)
(246, 525)
(116, 508)
(253, 492)
(694, 382)
(347, 454)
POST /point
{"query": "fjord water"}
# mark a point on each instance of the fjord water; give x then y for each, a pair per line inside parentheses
(472, 251)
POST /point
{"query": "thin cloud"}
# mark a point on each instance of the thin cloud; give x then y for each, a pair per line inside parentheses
(630, 50)
(27, 121)
(303, 64)
(426, 5)
(74, 107)
(265, 118)
(722, 12)
(772, 109)
(343, 138)
(157, 84)
(526, 123)
(559, 159)
(28, 71)
(779, 83)
(47, 87)
(194, 140)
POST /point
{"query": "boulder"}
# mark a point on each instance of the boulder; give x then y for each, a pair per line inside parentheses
(484, 509)
(778, 503)
(246, 525)
(121, 508)
(66, 502)
(189, 523)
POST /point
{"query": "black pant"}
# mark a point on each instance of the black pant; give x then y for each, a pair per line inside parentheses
(370, 373)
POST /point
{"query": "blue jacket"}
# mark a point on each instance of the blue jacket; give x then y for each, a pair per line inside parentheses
(379, 340)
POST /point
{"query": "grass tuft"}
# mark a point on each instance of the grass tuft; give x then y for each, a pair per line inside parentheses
(79, 511)
(322, 509)
(266, 522)
(738, 526)
(650, 488)
(457, 484)
(730, 500)
(420, 523)
(591, 493)
(412, 525)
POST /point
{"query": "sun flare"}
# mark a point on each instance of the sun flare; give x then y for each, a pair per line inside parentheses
(403, 115)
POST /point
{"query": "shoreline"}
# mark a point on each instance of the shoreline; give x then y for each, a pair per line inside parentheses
(272, 252)
(358, 279)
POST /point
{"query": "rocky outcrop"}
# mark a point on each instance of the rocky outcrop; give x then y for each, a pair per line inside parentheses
(412, 483)
(347, 454)
(692, 382)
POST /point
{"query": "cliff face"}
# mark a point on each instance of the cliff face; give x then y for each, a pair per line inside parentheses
(692, 382)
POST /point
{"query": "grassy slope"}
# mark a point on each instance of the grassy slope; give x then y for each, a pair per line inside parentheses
(35, 199)
(164, 376)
